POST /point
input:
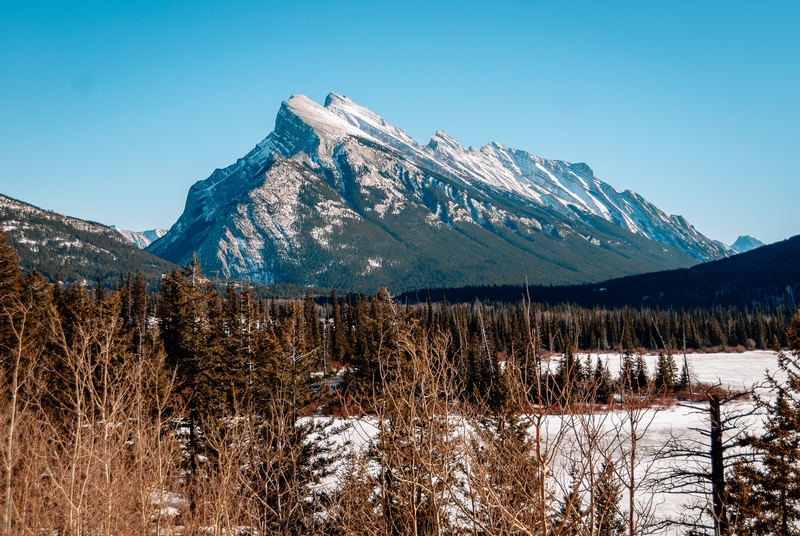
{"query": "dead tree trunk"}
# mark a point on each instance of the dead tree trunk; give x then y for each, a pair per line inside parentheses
(719, 495)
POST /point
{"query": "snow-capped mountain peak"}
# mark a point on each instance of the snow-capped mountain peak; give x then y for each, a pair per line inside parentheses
(140, 239)
(746, 243)
(558, 185)
(344, 163)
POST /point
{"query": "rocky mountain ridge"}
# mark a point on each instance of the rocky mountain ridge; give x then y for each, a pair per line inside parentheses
(335, 196)
(140, 239)
(72, 250)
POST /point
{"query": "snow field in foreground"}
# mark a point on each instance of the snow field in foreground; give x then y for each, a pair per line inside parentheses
(346, 438)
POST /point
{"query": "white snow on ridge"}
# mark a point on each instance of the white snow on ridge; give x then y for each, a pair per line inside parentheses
(558, 185)
(141, 239)
(359, 154)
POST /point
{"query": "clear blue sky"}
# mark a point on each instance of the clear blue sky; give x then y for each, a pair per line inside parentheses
(109, 111)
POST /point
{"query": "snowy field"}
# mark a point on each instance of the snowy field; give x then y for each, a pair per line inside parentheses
(683, 422)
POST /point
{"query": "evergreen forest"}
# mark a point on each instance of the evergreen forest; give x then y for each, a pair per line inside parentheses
(197, 411)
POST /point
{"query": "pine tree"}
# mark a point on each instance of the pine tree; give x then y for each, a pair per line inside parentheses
(767, 491)
(10, 286)
(191, 317)
(627, 376)
(569, 375)
(683, 382)
(640, 373)
(191, 323)
(665, 372)
(135, 317)
(24, 311)
(98, 289)
(571, 518)
(607, 518)
(339, 343)
(604, 390)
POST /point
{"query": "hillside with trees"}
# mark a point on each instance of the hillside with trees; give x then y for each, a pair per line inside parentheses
(767, 276)
(74, 251)
(128, 412)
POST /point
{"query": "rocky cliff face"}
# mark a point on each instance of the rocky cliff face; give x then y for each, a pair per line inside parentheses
(335, 196)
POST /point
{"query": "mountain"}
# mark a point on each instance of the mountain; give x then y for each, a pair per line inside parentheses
(141, 239)
(746, 243)
(335, 196)
(768, 275)
(73, 250)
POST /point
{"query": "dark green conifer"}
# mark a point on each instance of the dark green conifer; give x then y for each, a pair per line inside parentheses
(767, 491)
(665, 372)
(311, 319)
(339, 342)
(569, 375)
(683, 381)
(191, 333)
(627, 376)
(608, 520)
(98, 289)
(10, 286)
(604, 390)
(640, 373)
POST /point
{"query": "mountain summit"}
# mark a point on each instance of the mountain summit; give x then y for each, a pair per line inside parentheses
(746, 243)
(336, 196)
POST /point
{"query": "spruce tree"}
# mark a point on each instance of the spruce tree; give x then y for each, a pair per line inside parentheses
(311, 319)
(98, 289)
(683, 381)
(604, 390)
(24, 312)
(339, 344)
(767, 491)
(640, 373)
(607, 518)
(665, 372)
(571, 515)
(10, 286)
(627, 376)
(191, 333)
(569, 376)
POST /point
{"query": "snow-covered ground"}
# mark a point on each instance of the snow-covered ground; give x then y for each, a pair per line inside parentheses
(659, 427)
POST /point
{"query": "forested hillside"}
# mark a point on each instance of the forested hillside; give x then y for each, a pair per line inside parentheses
(767, 276)
(72, 250)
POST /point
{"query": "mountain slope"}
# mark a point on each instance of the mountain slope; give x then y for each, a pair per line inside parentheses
(140, 239)
(335, 196)
(73, 250)
(768, 275)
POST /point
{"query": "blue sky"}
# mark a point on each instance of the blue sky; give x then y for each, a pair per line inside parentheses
(109, 111)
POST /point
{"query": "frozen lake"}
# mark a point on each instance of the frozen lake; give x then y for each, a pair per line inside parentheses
(659, 426)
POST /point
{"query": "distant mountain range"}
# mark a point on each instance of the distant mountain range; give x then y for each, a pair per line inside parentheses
(767, 275)
(141, 239)
(72, 250)
(337, 197)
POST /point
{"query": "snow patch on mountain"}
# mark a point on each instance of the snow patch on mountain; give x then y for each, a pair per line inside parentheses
(746, 243)
(140, 239)
(555, 184)
(338, 177)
